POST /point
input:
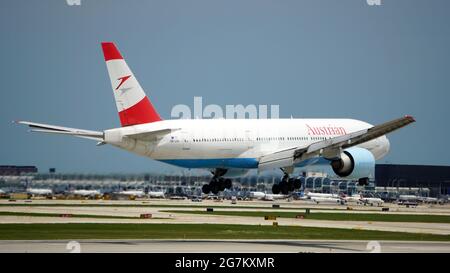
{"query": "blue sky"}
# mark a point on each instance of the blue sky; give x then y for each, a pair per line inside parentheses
(314, 58)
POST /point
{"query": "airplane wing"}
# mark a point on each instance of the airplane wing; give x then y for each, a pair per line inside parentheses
(45, 128)
(329, 148)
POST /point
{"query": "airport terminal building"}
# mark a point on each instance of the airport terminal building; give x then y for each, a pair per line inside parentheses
(9, 170)
(435, 178)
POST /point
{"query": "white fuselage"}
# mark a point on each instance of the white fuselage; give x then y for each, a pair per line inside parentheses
(156, 194)
(329, 200)
(85, 192)
(266, 196)
(39, 191)
(321, 195)
(136, 193)
(233, 143)
(372, 201)
(353, 198)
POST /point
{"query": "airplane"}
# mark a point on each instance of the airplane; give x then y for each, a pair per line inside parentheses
(351, 198)
(406, 197)
(329, 200)
(266, 196)
(273, 197)
(324, 198)
(233, 147)
(132, 193)
(321, 195)
(339, 199)
(34, 191)
(431, 200)
(156, 194)
(90, 193)
(371, 201)
(408, 200)
(257, 194)
(328, 197)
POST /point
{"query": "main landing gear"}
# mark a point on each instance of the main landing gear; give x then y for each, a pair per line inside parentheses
(217, 183)
(286, 185)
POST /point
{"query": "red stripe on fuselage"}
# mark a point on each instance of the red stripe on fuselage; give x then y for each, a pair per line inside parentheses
(140, 113)
(110, 51)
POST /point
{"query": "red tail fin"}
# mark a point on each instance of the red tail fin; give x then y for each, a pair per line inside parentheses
(133, 105)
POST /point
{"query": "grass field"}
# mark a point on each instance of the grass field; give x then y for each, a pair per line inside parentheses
(197, 231)
(380, 217)
(33, 214)
(36, 214)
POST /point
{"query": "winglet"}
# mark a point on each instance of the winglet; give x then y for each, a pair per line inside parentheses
(410, 118)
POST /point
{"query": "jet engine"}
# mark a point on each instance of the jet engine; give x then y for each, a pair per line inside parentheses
(354, 163)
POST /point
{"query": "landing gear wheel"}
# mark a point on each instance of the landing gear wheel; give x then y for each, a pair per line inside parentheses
(276, 189)
(218, 183)
(215, 186)
(297, 184)
(228, 183)
(206, 189)
(291, 184)
(284, 187)
(221, 183)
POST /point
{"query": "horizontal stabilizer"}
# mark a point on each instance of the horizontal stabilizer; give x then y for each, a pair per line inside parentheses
(53, 129)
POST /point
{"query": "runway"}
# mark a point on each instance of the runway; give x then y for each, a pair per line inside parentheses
(218, 246)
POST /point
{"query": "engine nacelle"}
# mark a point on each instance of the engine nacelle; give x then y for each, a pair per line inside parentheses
(355, 163)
